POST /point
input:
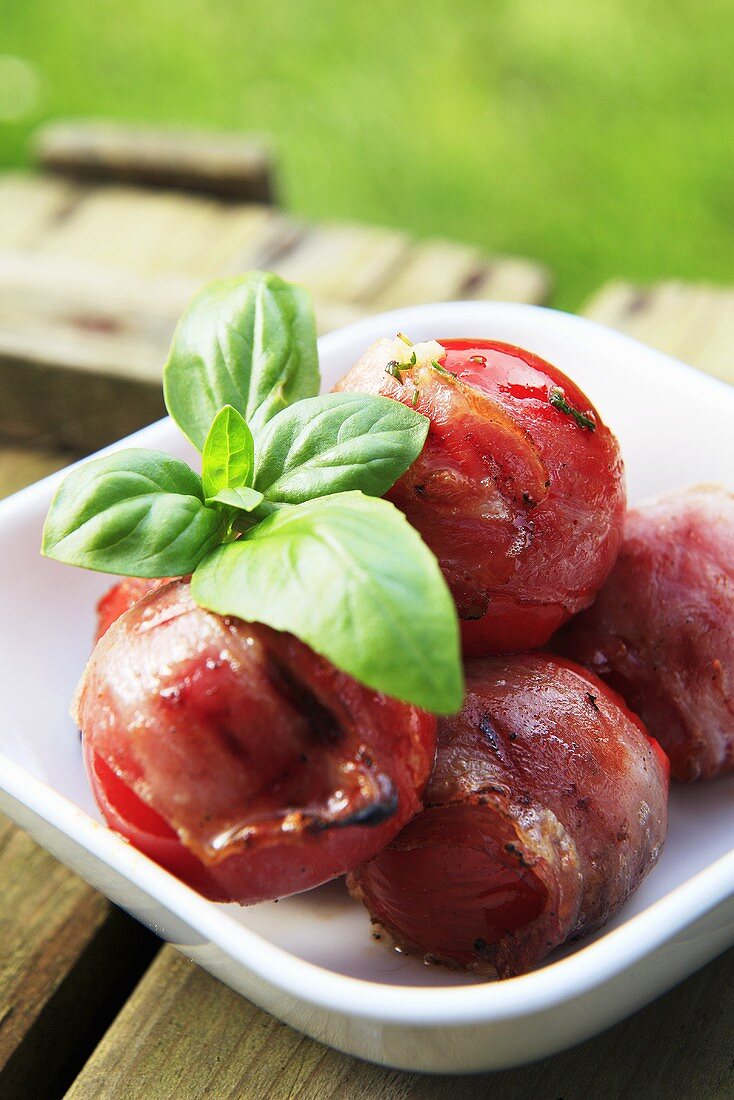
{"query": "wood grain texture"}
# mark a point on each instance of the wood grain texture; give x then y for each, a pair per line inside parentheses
(231, 165)
(344, 262)
(512, 279)
(184, 1034)
(694, 322)
(153, 231)
(433, 271)
(67, 957)
(20, 466)
(82, 347)
(30, 205)
(87, 312)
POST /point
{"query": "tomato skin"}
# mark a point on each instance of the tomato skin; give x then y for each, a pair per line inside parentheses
(546, 807)
(146, 830)
(523, 507)
(269, 767)
(120, 598)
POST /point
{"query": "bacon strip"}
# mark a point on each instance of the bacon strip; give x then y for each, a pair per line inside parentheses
(523, 509)
(662, 629)
(547, 806)
(275, 769)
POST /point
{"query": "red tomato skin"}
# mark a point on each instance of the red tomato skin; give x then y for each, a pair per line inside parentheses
(274, 770)
(523, 507)
(120, 597)
(146, 830)
(546, 807)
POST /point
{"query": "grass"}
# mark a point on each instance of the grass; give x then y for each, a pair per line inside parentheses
(593, 136)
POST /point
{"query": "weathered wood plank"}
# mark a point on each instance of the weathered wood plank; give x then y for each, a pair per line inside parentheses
(20, 466)
(226, 165)
(39, 288)
(249, 237)
(153, 232)
(438, 271)
(512, 279)
(47, 919)
(183, 1034)
(433, 271)
(82, 347)
(86, 321)
(344, 262)
(147, 231)
(694, 322)
(30, 205)
(67, 957)
(333, 315)
(67, 960)
(67, 397)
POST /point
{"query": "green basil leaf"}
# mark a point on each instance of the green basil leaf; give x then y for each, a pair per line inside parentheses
(228, 456)
(349, 576)
(243, 497)
(138, 513)
(337, 443)
(249, 342)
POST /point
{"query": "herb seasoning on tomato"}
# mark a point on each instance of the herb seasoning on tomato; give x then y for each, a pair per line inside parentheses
(519, 489)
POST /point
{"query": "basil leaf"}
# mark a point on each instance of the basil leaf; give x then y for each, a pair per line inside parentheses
(349, 576)
(228, 456)
(138, 513)
(337, 443)
(249, 342)
(243, 497)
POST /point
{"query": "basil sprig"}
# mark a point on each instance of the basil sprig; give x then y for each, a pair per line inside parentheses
(284, 526)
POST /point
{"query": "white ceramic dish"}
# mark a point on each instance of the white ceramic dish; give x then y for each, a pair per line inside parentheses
(311, 960)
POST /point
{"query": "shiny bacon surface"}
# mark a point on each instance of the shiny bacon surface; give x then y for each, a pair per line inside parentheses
(273, 769)
(522, 504)
(661, 631)
(120, 597)
(546, 807)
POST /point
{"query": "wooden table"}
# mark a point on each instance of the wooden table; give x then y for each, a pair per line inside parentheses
(92, 276)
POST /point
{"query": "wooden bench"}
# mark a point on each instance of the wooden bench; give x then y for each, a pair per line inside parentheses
(92, 277)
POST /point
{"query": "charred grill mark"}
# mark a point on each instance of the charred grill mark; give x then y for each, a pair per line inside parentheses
(488, 730)
(485, 950)
(473, 614)
(382, 809)
(321, 721)
(513, 850)
(382, 802)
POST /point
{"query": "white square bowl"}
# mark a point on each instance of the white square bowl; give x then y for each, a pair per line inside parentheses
(310, 960)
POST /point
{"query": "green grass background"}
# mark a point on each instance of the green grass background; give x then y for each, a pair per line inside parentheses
(595, 135)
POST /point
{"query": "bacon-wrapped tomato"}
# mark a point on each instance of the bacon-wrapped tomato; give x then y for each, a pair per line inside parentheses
(661, 631)
(238, 758)
(519, 490)
(546, 807)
